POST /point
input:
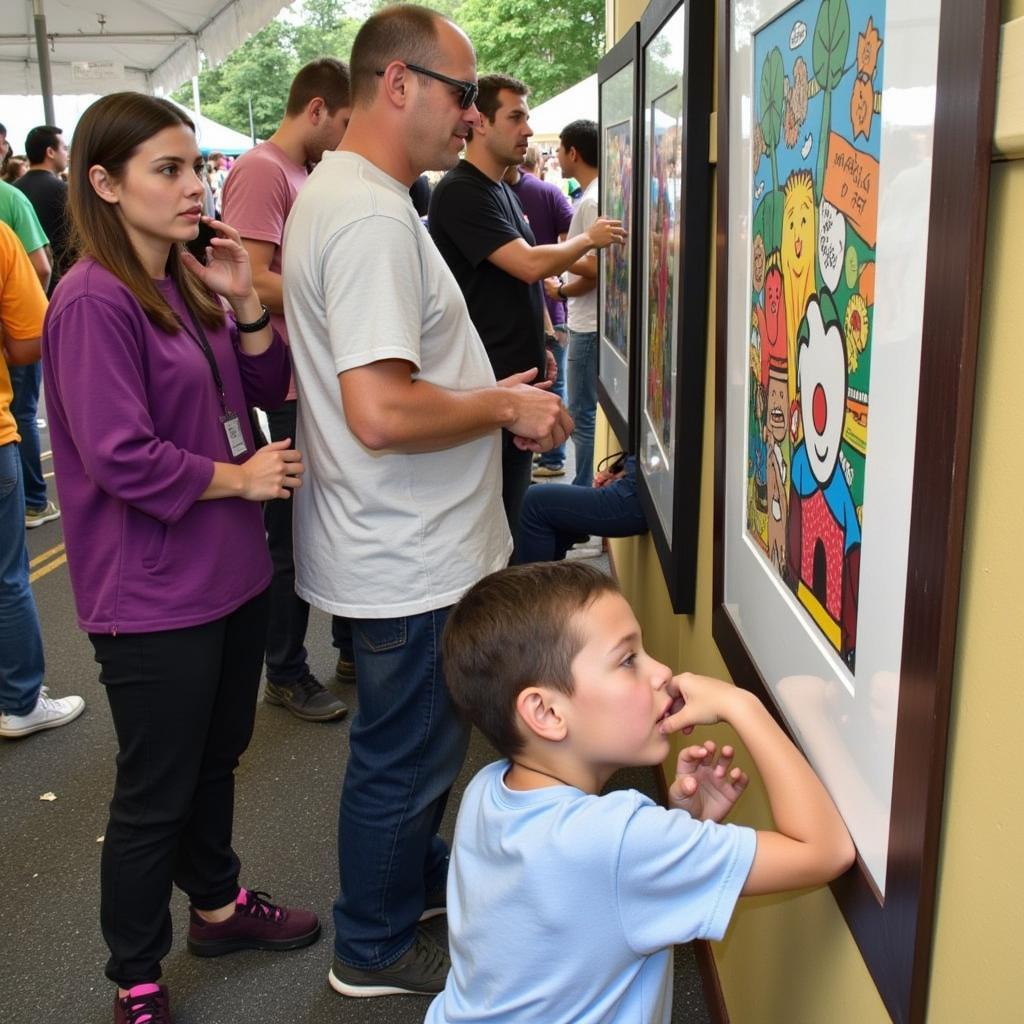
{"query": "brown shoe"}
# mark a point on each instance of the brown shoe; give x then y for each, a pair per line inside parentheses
(144, 1004)
(256, 924)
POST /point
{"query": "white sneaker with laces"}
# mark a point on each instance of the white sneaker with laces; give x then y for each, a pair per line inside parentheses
(49, 713)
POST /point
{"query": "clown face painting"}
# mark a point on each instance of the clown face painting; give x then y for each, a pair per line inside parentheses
(818, 70)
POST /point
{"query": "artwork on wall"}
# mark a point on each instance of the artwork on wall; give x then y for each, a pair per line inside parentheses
(618, 92)
(851, 211)
(675, 62)
(814, 223)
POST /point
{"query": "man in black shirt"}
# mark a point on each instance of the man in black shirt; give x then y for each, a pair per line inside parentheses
(478, 226)
(47, 154)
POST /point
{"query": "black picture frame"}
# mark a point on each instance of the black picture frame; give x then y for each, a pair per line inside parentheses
(894, 931)
(618, 89)
(676, 65)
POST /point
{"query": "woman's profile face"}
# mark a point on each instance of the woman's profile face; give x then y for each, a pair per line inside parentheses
(160, 192)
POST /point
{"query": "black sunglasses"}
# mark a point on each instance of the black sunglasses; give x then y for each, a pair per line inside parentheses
(468, 91)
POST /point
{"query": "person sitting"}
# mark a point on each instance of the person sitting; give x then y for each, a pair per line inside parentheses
(564, 904)
(557, 516)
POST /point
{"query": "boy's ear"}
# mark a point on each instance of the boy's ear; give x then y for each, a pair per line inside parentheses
(541, 713)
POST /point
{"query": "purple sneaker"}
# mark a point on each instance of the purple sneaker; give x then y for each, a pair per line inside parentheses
(144, 1004)
(256, 924)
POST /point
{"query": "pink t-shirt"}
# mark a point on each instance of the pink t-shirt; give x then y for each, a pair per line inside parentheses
(258, 195)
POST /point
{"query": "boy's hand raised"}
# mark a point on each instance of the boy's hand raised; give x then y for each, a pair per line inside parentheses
(706, 787)
(698, 700)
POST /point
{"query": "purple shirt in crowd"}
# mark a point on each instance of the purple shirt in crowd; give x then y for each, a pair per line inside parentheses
(549, 213)
(135, 430)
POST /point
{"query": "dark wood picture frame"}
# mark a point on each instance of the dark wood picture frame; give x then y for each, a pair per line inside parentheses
(677, 546)
(894, 934)
(623, 57)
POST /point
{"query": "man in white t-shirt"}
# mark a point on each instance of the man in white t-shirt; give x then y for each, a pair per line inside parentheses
(577, 154)
(399, 419)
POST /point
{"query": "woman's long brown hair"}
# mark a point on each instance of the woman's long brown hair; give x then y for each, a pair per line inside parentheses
(109, 133)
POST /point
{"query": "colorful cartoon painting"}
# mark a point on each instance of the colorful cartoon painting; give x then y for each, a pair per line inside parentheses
(818, 70)
(617, 181)
(666, 157)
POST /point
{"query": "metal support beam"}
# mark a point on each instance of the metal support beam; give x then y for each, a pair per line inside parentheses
(43, 52)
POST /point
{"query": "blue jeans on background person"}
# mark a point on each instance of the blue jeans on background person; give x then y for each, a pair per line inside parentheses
(25, 383)
(21, 643)
(555, 458)
(556, 516)
(582, 373)
(406, 747)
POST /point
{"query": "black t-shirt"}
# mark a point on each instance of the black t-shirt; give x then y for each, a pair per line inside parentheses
(49, 198)
(470, 217)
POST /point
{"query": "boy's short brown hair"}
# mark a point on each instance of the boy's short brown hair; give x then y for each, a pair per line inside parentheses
(515, 629)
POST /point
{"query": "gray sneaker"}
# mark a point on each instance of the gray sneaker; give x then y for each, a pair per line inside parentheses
(420, 971)
(306, 698)
(345, 670)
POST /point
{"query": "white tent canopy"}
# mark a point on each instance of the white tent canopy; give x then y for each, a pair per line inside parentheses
(147, 45)
(578, 101)
(213, 136)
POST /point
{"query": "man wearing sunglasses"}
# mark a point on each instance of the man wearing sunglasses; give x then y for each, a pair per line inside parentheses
(400, 418)
(479, 227)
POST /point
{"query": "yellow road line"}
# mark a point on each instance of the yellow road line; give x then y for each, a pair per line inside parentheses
(46, 476)
(46, 455)
(56, 550)
(48, 568)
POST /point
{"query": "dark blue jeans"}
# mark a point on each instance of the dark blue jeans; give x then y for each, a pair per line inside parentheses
(25, 383)
(21, 644)
(406, 747)
(556, 516)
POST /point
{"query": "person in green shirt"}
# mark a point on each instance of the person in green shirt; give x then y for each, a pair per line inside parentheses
(18, 214)
(17, 211)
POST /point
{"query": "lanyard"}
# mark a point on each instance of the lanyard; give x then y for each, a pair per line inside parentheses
(204, 346)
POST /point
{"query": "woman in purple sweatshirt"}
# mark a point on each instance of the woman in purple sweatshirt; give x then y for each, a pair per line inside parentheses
(148, 382)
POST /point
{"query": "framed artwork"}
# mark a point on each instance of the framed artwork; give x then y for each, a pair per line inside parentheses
(854, 142)
(676, 39)
(618, 98)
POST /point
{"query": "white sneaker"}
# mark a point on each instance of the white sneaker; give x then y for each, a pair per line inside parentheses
(590, 548)
(49, 713)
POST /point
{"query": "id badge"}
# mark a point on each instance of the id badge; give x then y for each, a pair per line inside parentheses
(233, 432)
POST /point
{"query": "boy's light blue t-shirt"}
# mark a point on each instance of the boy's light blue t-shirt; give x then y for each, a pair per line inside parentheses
(564, 907)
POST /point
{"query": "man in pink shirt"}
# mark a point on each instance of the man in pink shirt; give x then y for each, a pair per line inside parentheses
(258, 195)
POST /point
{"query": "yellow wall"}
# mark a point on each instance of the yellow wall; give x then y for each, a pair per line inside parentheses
(792, 958)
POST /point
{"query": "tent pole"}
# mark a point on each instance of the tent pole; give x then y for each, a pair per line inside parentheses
(45, 78)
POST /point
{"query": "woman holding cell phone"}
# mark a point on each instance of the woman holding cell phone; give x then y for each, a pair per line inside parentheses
(148, 380)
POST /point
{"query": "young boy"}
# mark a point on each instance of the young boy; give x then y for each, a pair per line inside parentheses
(564, 905)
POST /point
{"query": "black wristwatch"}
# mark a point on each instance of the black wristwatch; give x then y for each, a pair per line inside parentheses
(550, 339)
(561, 294)
(256, 325)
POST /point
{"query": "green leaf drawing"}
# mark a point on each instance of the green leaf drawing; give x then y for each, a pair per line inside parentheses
(831, 42)
(773, 98)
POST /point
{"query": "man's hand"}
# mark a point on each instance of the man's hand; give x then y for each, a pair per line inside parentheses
(552, 366)
(604, 231)
(540, 421)
(706, 787)
(551, 286)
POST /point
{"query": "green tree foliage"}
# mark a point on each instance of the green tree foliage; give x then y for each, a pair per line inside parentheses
(549, 45)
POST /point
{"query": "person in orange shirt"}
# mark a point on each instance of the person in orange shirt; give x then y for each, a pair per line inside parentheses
(24, 706)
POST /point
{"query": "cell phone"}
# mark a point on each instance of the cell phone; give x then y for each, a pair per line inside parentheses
(198, 244)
